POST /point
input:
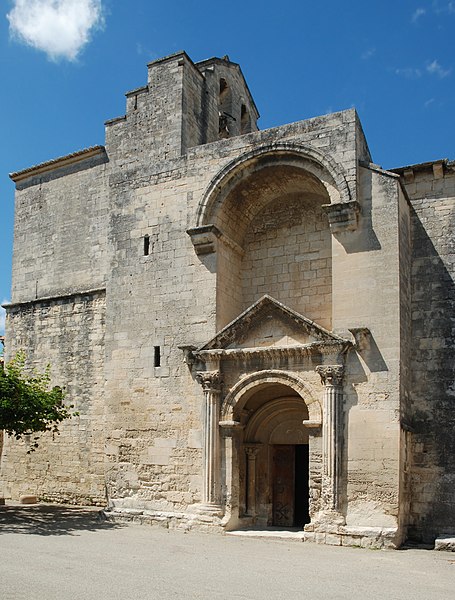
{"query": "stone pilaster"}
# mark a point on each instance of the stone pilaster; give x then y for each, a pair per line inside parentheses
(211, 384)
(332, 378)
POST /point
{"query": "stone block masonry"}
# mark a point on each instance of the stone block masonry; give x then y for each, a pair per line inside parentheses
(254, 326)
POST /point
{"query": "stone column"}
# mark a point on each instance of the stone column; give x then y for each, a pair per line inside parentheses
(251, 453)
(332, 378)
(210, 381)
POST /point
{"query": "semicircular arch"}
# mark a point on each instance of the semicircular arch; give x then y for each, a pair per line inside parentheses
(273, 415)
(319, 165)
(238, 396)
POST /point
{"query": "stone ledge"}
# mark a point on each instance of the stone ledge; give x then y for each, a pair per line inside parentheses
(362, 537)
(295, 536)
(167, 519)
(445, 542)
(343, 216)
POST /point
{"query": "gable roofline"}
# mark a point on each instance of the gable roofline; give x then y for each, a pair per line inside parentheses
(229, 333)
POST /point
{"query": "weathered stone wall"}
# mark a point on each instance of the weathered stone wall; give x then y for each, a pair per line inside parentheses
(68, 334)
(366, 294)
(288, 255)
(406, 349)
(432, 194)
(117, 224)
(168, 299)
(60, 231)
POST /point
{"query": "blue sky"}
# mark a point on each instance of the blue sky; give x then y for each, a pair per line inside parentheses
(66, 64)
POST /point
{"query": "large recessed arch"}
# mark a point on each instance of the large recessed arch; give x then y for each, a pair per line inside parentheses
(267, 206)
(310, 160)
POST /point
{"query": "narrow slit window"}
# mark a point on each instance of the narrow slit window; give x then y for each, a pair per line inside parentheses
(146, 245)
(157, 357)
(245, 125)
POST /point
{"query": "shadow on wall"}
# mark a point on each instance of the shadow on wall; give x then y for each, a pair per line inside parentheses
(45, 519)
(363, 239)
(432, 380)
(369, 351)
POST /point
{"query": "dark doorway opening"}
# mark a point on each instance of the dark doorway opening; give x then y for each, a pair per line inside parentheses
(290, 471)
(302, 492)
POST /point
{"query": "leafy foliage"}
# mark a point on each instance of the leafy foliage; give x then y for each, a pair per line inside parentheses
(27, 402)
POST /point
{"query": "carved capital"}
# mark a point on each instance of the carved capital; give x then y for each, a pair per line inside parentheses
(210, 380)
(251, 450)
(331, 374)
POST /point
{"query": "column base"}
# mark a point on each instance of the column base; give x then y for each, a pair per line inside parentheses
(208, 509)
(326, 520)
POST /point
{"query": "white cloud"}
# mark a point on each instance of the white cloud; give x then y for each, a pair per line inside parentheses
(409, 72)
(428, 103)
(444, 7)
(60, 28)
(430, 68)
(368, 53)
(434, 68)
(419, 12)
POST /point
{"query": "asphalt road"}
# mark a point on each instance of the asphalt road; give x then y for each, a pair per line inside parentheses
(53, 553)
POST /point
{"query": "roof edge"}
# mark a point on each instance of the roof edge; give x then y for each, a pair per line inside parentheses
(423, 166)
(57, 163)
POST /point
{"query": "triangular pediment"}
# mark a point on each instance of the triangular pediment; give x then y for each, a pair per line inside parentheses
(267, 324)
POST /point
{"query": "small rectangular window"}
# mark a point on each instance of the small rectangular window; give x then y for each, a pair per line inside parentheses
(157, 356)
(146, 245)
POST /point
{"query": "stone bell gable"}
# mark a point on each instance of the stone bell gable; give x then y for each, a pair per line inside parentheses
(253, 326)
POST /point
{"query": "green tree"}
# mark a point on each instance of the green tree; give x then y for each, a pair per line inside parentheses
(28, 403)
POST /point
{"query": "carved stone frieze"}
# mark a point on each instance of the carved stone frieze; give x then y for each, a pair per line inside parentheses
(274, 352)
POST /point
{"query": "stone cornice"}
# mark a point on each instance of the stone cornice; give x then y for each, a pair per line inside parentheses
(273, 352)
(61, 297)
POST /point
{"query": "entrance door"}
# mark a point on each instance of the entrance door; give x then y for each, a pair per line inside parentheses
(290, 485)
(283, 478)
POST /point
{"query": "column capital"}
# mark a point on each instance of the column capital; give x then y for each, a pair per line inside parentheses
(210, 380)
(331, 374)
(251, 450)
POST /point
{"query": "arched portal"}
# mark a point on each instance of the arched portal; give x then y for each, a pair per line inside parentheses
(277, 452)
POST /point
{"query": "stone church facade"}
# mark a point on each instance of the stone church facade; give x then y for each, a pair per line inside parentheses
(255, 327)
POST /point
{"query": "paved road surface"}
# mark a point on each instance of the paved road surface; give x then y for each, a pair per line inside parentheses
(54, 553)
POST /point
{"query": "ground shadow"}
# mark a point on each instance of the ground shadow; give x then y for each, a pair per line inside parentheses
(45, 519)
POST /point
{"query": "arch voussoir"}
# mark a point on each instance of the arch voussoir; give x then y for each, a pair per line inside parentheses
(235, 398)
(231, 173)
